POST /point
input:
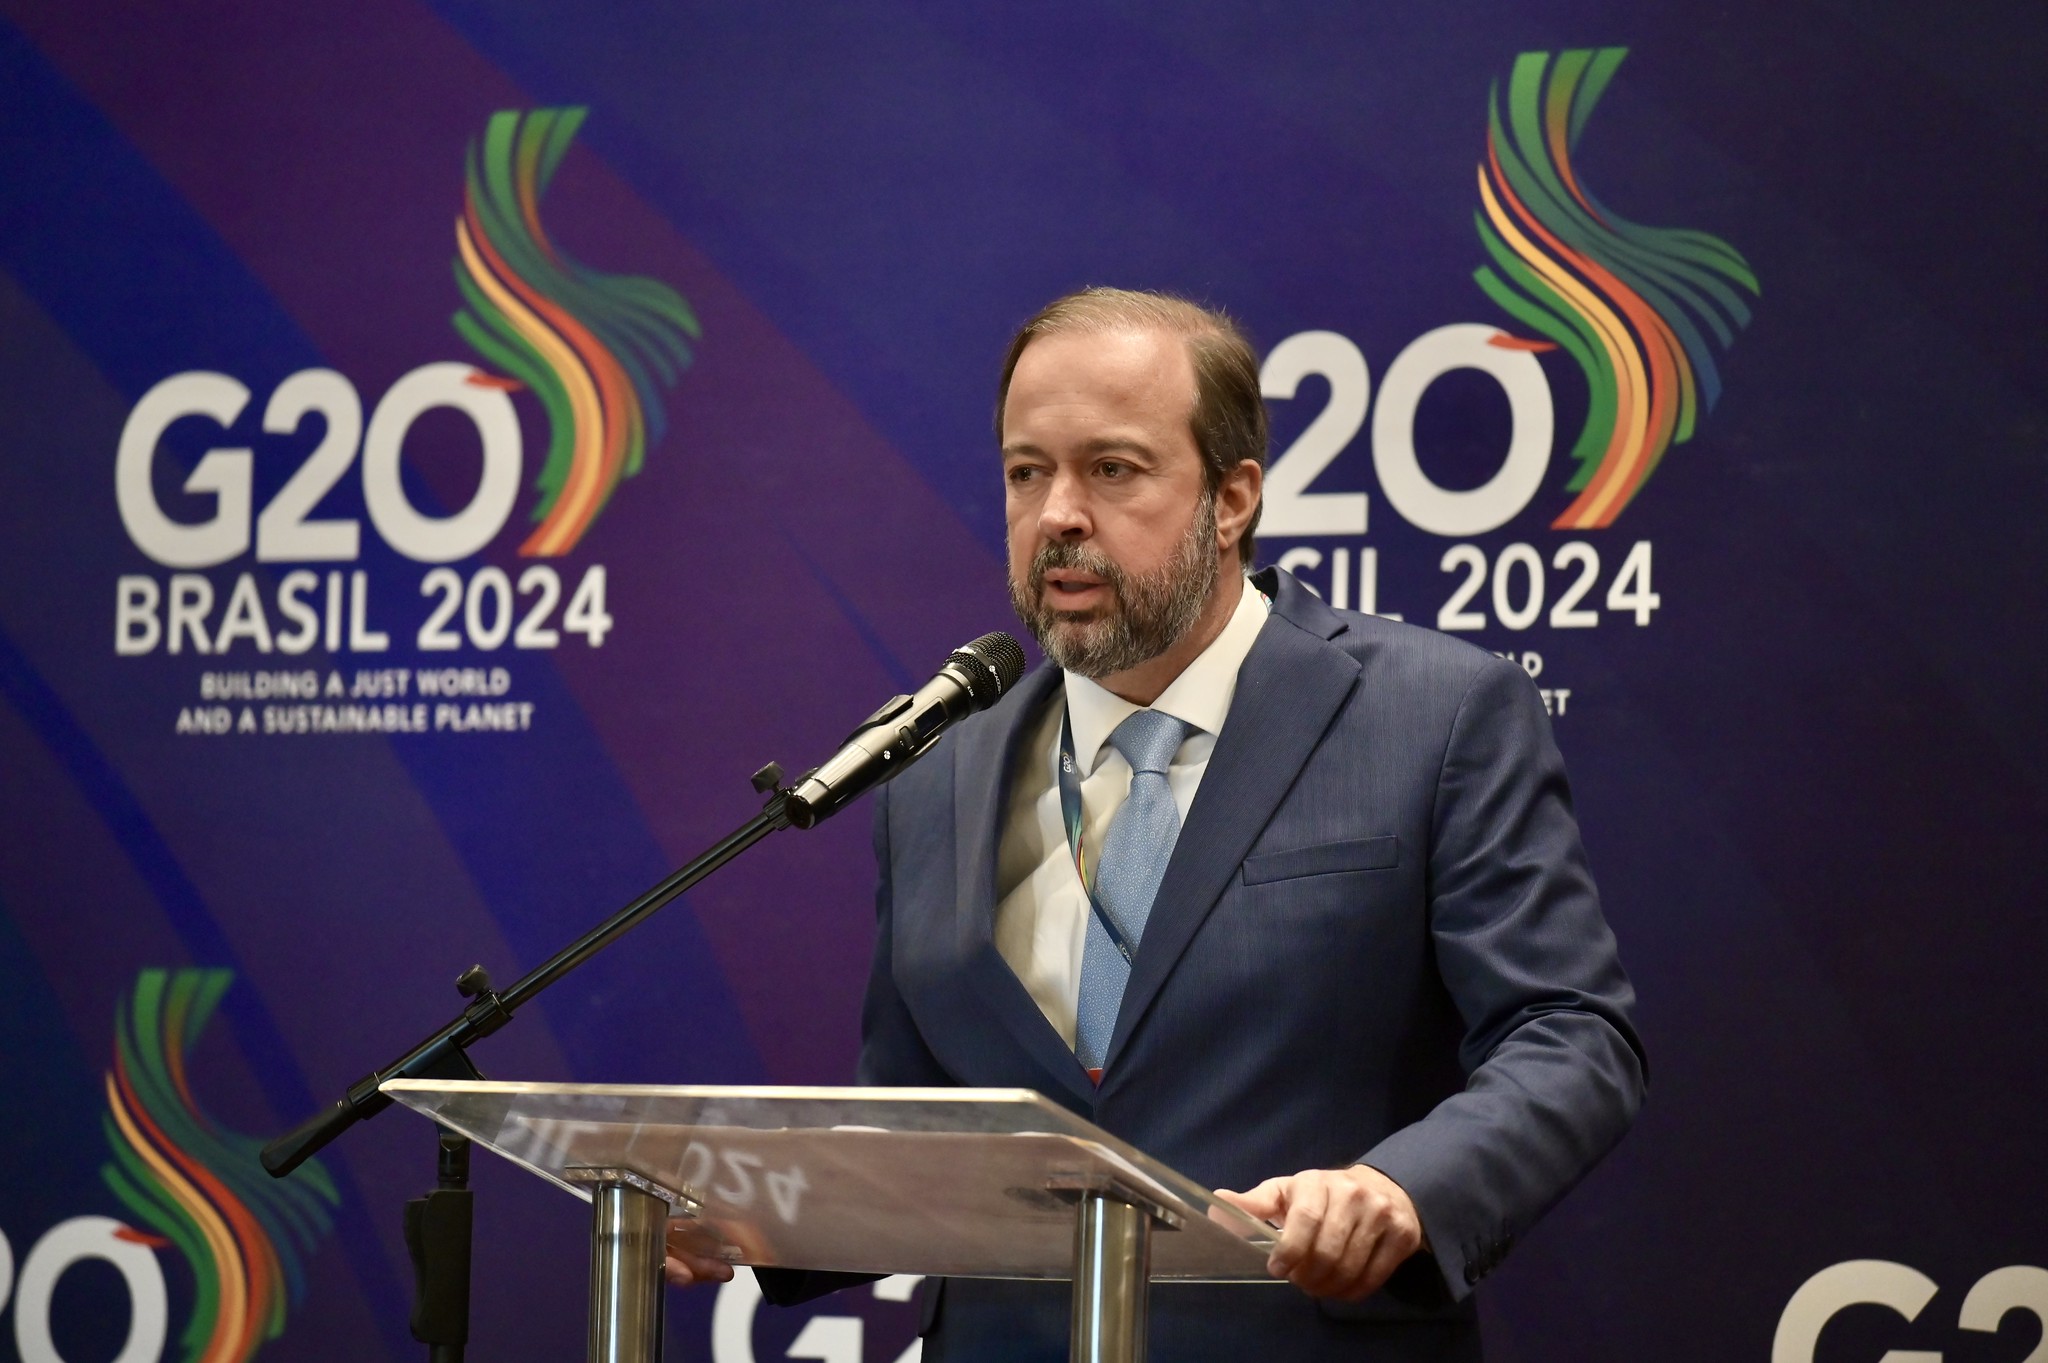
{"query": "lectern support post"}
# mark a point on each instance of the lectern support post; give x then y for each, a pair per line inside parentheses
(628, 1241)
(1112, 1279)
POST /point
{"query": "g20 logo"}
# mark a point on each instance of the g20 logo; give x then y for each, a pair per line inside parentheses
(596, 351)
(1906, 1291)
(825, 1338)
(1522, 593)
(1641, 311)
(285, 531)
(180, 613)
(60, 1249)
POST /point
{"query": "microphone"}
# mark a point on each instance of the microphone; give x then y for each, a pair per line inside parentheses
(973, 678)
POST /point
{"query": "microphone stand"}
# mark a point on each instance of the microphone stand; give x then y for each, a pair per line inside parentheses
(438, 1225)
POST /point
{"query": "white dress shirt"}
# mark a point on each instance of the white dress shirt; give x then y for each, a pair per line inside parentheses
(1041, 905)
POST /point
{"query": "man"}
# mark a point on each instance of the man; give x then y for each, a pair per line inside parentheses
(1308, 915)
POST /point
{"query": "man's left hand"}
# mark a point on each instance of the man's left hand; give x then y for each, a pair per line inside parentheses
(1343, 1232)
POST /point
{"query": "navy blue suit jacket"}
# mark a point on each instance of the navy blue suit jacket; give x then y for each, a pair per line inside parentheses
(1377, 941)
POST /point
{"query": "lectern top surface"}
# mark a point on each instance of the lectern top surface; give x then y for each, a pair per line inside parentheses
(965, 1182)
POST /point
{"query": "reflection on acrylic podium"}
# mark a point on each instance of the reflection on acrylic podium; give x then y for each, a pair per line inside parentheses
(990, 1183)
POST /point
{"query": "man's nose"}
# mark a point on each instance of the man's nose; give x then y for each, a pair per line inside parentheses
(1064, 513)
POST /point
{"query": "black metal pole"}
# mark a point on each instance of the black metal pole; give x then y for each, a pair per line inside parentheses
(438, 1230)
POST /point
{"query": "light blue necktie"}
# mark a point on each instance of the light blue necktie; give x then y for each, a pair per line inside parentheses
(1133, 862)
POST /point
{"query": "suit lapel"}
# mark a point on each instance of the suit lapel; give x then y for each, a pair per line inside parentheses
(978, 814)
(1289, 689)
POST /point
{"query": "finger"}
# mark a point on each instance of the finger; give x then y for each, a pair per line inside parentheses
(1358, 1252)
(683, 1269)
(1346, 1279)
(697, 1250)
(709, 1270)
(1338, 1261)
(1322, 1273)
(1307, 1200)
(1267, 1201)
(1389, 1251)
(1232, 1218)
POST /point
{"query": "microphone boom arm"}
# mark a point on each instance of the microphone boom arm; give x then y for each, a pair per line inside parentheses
(973, 678)
(445, 1054)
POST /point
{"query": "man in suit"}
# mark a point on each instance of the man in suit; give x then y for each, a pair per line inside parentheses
(1308, 915)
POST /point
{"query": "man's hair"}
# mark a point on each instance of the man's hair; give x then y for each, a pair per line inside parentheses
(1229, 417)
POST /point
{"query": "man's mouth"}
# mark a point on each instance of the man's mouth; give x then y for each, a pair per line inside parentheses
(1070, 588)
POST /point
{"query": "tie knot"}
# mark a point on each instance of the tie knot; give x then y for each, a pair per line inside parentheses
(1148, 740)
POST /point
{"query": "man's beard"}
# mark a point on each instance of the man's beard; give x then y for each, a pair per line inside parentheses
(1147, 613)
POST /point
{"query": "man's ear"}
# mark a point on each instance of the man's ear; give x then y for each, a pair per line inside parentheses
(1237, 497)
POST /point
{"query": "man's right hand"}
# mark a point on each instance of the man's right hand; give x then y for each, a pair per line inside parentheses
(685, 1266)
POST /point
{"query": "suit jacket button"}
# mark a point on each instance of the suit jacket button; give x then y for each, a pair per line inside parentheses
(1472, 1273)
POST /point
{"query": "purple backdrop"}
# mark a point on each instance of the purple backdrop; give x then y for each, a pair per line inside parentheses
(1792, 667)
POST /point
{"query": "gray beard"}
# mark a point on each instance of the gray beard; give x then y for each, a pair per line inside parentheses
(1148, 614)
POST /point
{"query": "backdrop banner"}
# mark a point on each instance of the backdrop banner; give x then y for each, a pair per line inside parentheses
(449, 446)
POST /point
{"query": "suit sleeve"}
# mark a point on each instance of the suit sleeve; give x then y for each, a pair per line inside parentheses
(1555, 1070)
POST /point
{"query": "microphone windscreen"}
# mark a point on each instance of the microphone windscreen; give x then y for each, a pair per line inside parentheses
(995, 661)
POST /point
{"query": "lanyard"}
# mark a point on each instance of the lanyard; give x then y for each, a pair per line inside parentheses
(1070, 807)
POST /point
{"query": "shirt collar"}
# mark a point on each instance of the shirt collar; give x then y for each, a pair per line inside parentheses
(1200, 695)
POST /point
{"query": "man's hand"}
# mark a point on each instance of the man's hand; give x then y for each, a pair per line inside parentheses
(1343, 1231)
(686, 1265)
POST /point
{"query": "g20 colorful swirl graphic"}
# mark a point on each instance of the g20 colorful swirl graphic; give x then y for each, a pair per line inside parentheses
(596, 349)
(1633, 305)
(244, 1235)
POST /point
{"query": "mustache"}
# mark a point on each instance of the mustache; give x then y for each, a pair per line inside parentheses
(1084, 558)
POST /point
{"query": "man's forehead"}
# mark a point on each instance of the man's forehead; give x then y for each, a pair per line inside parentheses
(1138, 368)
(1117, 350)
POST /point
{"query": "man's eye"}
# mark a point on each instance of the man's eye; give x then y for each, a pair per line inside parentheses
(1112, 469)
(1022, 473)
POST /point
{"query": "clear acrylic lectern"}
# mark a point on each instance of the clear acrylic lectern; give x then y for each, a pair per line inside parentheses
(987, 1183)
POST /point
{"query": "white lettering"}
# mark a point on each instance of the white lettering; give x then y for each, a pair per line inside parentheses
(1289, 507)
(191, 602)
(334, 612)
(135, 625)
(224, 473)
(307, 621)
(441, 539)
(68, 1243)
(282, 531)
(1860, 1282)
(1425, 504)
(361, 637)
(244, 618)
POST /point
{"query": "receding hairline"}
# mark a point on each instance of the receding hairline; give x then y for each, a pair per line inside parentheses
(1124, 312)
(1107, 311)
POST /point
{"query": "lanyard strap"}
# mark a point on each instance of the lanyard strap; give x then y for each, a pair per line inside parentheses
(1070, 807)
